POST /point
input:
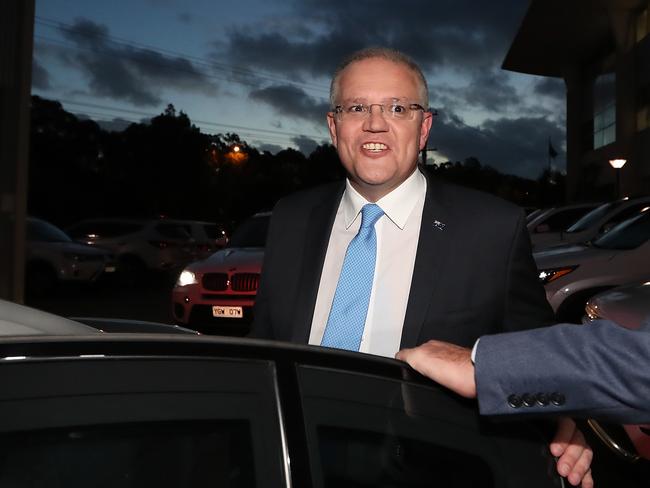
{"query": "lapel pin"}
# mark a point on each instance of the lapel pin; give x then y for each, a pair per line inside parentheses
(438, 225)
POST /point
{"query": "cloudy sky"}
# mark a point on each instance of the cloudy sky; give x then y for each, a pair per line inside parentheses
(261, 68)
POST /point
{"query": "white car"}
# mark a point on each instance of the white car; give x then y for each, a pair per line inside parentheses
(627, 305)
(52, 257)
(545, 225)
(217, 294)
(141, 245)
(572, 274)
(598, 221)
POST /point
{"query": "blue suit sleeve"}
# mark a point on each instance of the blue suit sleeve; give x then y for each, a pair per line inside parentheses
(600, 370)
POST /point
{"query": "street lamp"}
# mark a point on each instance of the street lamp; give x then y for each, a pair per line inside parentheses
(617, 164)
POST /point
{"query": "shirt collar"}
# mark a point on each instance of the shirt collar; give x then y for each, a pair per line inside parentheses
(397, 205)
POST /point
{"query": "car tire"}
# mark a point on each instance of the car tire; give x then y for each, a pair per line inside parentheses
(40, 279)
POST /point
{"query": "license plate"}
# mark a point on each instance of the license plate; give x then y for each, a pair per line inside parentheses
(227, 312)
(109, 269)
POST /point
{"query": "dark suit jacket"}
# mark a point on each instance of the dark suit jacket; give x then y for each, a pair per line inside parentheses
(600, 370)
(473, 276)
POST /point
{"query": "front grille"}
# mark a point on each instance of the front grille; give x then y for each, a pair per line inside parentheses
(245, 281)
(227, 298)
(215, 281)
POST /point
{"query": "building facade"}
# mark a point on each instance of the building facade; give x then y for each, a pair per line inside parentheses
(601, 49)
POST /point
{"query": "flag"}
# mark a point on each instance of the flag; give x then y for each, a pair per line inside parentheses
(552, 153)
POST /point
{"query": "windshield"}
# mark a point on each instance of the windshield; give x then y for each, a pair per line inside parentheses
(39, 230)
(629, 234)
(593, 217)
(252, 233)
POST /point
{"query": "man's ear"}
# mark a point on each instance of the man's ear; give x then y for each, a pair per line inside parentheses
(331, 125)
(425, 128)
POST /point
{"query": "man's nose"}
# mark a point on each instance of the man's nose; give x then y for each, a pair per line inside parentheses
(375, 120)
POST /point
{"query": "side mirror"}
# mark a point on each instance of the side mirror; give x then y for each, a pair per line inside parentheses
(607, 227)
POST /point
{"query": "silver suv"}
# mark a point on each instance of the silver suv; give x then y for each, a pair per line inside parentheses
(52, 257)
(140, 245)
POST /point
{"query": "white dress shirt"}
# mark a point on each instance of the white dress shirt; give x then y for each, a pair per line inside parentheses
(397, 241)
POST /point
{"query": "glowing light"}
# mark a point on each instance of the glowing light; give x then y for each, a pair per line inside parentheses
(186, 278)
(617, 163)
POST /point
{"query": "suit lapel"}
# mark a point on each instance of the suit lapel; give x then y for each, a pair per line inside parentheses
(319, 228)
(433, 249)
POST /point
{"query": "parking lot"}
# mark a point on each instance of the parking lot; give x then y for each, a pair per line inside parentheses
(149, 300)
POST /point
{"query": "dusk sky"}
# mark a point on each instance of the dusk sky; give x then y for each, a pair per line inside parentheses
(261, 69)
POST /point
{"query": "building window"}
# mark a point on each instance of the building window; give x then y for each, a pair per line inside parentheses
(643, 107)
(642, 24)
(604, 110)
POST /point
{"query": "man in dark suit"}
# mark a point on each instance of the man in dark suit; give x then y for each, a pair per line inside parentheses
(595, 371)
(437, 261)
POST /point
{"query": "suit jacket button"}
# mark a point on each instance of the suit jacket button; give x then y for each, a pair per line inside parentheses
(557, 399)
(528, 399)
(542, 399)
(514, 401)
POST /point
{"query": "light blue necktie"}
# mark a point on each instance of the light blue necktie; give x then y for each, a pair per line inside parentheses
(350, 306)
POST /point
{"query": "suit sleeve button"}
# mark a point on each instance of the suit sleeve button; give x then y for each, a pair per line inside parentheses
(557, 399)
(528, 399)
(514, 401)
(542, 399)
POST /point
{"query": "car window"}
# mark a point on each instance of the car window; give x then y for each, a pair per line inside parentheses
(563, 218)
(136, 422)
(41, 231)
(626, 235)
(251, 233)
(373, 431)
(161, 454)
(592, 218)
(214, 231)
(626, 213)
(173, 231)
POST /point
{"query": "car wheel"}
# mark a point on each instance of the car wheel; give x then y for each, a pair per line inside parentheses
(40, 279)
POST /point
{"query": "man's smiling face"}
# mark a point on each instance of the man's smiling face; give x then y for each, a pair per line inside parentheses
(377, 151)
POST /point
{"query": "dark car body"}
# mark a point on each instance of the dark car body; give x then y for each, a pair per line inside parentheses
(180, 411)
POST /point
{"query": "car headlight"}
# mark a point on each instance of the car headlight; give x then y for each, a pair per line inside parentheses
(186, 278)
(552, 274)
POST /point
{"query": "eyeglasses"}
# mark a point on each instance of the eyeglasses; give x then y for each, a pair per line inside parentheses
(394, 110)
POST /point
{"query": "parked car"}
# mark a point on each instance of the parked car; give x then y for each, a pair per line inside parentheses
(208, 236)
(573, 274)
(51, 258)
(141, 244)
(627, 305)
(93, 409)
(217, 294)
(596, 222)
(545, 225)
(19, 320)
